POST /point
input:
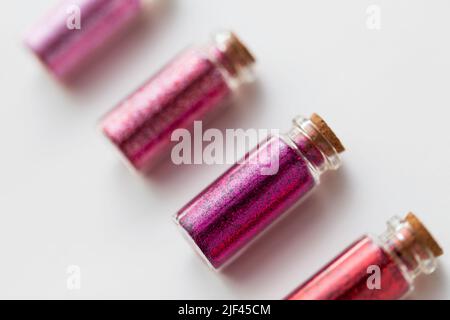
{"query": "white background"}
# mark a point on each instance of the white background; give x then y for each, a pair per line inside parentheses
(66, 199)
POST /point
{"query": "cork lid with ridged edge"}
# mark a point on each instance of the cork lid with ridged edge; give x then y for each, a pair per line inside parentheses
(326, 131)
(422, 235)
(238, 55)
(239, 51)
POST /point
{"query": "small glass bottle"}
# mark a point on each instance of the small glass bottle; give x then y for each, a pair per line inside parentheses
(376, 268)
(75, 29)
(223, 219)
(196, 83)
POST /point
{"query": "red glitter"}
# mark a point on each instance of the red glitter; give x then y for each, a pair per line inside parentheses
(345, 278)
(376, 268)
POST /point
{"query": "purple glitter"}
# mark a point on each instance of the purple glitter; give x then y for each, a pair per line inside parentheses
(142, 125)
(309, 150)
(63, 49)
(242, 203)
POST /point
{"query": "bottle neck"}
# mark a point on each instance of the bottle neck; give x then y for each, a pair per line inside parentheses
(313, 145)
(411, 246)
(232, 57)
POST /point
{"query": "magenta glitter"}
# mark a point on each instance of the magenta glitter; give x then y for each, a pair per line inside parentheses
(194, 84)
(243, 202)
(310, 150)
(63, 49)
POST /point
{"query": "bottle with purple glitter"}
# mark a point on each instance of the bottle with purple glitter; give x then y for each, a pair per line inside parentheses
(223, 219)
(193, 85)
(70, 34)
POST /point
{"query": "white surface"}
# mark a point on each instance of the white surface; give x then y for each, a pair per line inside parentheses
(66, 199)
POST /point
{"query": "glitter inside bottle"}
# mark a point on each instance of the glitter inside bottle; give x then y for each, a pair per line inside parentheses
(223, 219)
(70, 33)
(196, 83)
(376, 268)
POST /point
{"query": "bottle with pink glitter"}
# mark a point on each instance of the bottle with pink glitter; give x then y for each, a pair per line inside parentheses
(236, 208)
(68, 35)
(192, 86)
(376, 268)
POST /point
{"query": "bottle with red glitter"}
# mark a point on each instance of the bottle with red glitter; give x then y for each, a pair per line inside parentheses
(376, 267)
(229, 214)
(192, 86)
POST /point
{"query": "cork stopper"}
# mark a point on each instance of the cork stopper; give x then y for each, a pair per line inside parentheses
(423, 236)
(326, 131)
(237, 53)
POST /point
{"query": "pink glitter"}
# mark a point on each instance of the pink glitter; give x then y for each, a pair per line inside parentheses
(61, 49)
(184, 91)
(243, 202)
(191, 86)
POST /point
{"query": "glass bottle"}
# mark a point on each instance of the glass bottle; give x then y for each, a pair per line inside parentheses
(68, 35)
(229, 214)
(376, 267)
(192, 86)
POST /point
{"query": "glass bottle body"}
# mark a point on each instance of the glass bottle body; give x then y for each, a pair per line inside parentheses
(195, 84)
(372, 268)
(75, 29)
(241, 204)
